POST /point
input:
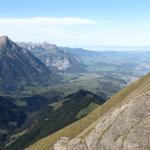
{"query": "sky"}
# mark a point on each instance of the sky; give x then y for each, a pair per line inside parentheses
(77, 23)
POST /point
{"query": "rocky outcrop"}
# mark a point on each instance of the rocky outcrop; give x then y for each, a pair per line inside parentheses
(125, 127)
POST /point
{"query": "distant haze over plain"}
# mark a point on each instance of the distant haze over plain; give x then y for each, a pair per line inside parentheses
(116, 48)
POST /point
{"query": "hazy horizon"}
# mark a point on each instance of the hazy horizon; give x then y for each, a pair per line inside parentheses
(91, 47)
(82, 24)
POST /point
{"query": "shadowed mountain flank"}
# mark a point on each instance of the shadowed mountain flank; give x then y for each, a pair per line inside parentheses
(20, 68)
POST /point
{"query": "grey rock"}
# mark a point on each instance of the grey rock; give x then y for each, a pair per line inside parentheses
(54, 57)
(126, 127)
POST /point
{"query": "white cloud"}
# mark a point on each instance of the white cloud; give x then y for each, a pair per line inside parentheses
(55, 30)
(47, 21)
(74, 31)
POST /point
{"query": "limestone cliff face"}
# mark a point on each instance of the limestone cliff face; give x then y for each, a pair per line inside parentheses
(54, 57)
(125, 127)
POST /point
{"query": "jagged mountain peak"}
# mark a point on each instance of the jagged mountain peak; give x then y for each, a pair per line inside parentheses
(20, 68)
(5, 41)
(47, 45)
(4, 38)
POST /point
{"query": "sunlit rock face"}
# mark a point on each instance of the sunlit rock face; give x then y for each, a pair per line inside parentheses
(61, 63)
(54, 57)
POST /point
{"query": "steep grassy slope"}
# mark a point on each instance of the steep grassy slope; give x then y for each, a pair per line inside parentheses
(90, 121)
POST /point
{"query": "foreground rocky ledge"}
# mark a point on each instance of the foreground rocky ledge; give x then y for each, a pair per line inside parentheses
(126, 127)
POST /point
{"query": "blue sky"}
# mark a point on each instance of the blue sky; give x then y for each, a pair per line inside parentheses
(77, 23)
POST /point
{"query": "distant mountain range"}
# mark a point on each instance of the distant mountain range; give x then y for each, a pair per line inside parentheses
(57, 58)
(26, 65)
